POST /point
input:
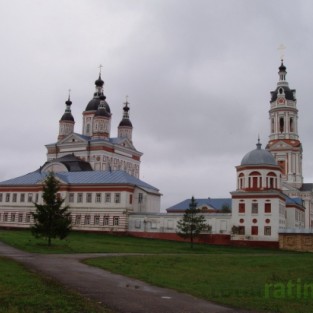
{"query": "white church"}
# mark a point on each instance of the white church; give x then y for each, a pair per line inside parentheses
(100, 180)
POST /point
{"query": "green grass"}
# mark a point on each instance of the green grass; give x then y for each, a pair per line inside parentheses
(232, 276)
(91, 243)
(24, 292)
(235, 280)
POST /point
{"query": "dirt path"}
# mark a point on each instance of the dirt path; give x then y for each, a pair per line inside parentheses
(121, 294)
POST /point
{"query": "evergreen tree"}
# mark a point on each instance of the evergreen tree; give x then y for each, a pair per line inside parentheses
(192, 223)
(51, 220)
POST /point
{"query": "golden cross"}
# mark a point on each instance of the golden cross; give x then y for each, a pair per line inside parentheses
(126, 100)
(282, 49)
(100, 67)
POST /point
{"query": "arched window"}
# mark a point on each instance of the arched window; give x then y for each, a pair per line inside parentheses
(271, 180)
(241, 181)
(291, 125)
(272, 126)
(281, 124)
(255, 180)
(88, 129)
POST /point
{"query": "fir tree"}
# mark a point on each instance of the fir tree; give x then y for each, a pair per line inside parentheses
(51, 220)
(192, 223)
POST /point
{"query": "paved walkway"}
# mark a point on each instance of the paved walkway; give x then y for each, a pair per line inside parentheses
(121, 294)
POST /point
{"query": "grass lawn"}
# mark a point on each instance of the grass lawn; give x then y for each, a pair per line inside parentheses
(90, 243)
(258, 282)
(23, 291)
(257, 279)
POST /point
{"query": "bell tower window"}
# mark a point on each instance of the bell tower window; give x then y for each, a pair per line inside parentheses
(281, 124)
(291, 124)
(282, 165)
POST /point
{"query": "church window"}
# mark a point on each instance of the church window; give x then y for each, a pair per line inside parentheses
(89, 197)
(140, 198)
(107, 197)
(241, 181)
(281, 125)
(267, 230)
(254, 208)
(271, 180)
(267, 208)
(71, 197)
(241, 230)
(117, 198)
(282, 165)
(30, 197)
(7, 197)
(255, 180)
(97, 219)
(87, 220)
(79, 197)
(254, 230)
(242, 208)
(1, 196)
(106, 220)
(77, 219)
(291, 124)
(130, 199)
(98, 197)
(20, 218)
(88, 129)
(14, 197)
(116, 221)
(272, 125)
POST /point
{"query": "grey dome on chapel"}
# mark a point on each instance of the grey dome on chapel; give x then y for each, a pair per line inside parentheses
(67, 116)
(258, 156)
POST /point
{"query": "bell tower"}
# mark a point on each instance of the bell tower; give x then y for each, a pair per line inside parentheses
(284, 141)
(67, 122)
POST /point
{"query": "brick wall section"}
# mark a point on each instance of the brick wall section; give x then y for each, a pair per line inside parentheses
(255, 244)
(296, 242)
(204, 238)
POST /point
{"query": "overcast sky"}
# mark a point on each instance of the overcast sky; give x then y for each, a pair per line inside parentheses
(198, 75)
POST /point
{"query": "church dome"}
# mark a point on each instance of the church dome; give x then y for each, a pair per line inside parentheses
(67, 116)
(93, 104)
(258, 156)
(283, 90)
(101, 111)
(126, 122)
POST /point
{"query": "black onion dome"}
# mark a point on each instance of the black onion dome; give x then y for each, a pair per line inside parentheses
(258, 156)
(99, 82)
(68, 102)
(282, 67)
(94, 103)
(126, 122)
(67, 116)
(101, 111)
